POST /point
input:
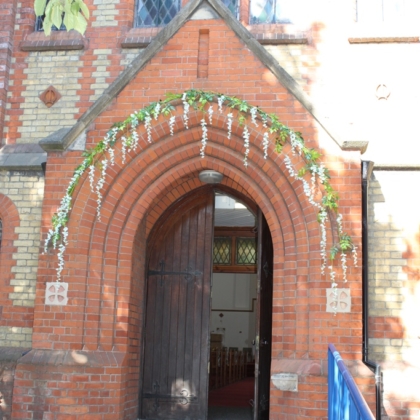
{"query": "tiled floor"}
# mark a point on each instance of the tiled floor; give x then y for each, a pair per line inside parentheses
(229, 413)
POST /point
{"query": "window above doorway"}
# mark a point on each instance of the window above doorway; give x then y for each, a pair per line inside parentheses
(151, 13)
(271, 11)
(235, 244)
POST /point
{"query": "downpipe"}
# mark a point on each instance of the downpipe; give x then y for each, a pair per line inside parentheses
(367, 168)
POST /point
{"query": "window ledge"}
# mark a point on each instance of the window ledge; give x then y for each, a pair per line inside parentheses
(139, 37)
(383, 39)
(277, 34)
(57, 41)
(362, 33)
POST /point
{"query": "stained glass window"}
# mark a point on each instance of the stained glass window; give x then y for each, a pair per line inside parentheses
(271, 11)
(246, 251)
(156, 12)
(40, 20)
(232, 5)
(222, 248)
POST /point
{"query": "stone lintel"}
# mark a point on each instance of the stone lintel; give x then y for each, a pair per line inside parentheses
(22, 157)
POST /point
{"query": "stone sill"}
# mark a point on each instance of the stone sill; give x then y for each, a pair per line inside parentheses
(384, 40)
(22, 157)
(277, 34)
(57, 41)
(264, 34)
(382, 33)
(139, 37)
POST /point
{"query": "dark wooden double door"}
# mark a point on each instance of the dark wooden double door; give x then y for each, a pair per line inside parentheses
(175, 356)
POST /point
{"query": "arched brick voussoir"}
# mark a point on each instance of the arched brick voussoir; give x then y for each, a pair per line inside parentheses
(123, 281)
(9, 215)
(9, 212)
(114, 193)
(165, 180)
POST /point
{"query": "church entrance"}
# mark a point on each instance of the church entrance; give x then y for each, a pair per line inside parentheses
(178, 354)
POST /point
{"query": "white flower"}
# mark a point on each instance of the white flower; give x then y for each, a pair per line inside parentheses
(135, 137)
(185, 117)
(92, 177)
(148, 125)
(211, 114)
(264, 119)
(253, 112)
(156, 110)
(111, 156)
(123, 148)
(265, 145)
(172, 124)
(220, 100)
(203, 138)
(229, 125)
(354, 252)
(245, 135)
(343, 258)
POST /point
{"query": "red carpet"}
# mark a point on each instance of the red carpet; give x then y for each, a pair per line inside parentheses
(237, 394)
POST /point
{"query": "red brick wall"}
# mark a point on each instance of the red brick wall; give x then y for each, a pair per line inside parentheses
(7, 20)
(105, 260)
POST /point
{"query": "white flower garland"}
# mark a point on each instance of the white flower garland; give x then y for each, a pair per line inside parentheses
(318, 172)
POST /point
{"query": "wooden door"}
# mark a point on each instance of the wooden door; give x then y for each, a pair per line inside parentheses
(176, 338)
(264, 321)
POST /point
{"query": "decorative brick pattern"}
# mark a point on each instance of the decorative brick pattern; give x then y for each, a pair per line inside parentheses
(56, 293)
(7, 22)
(101, 75)
(340, 302)
(105, 13)
(60, 69)
(24, 192)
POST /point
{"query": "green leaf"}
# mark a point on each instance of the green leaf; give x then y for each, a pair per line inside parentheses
(83, 8)
(69, 21)
(47, 25)
(172, 96)
(302, 172)
(57, 16)
(39, 7)
(333, 252)
(67, 6)
(80, 24)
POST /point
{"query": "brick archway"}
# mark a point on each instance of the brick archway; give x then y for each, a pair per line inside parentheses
(105, 267)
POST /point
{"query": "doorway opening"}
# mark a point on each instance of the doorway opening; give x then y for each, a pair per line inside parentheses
(233, 313)
(191, 345)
